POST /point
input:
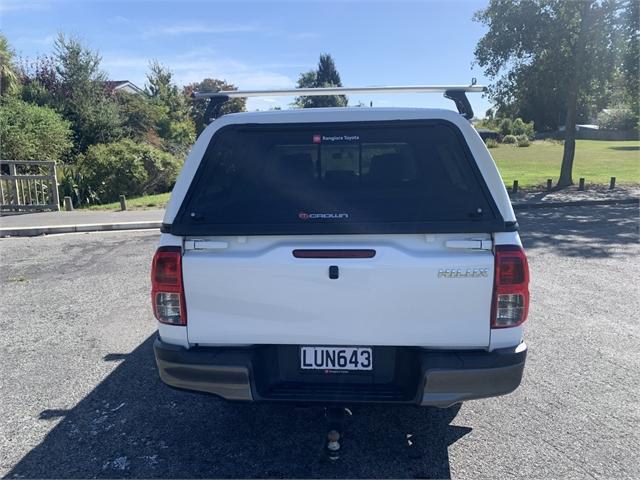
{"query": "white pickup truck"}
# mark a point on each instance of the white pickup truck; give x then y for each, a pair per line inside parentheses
(339, 256)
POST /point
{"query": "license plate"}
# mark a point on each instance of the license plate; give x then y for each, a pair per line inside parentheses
(336, 358)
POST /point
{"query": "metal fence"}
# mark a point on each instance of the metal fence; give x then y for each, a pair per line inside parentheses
(28, 186)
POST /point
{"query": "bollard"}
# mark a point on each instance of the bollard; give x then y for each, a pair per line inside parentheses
(581, 184)
(123, 203)
(612, 184)
(68, 204)
(549, 184)
(515, 187)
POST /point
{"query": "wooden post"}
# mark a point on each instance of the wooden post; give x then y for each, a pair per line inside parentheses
(549, 184)
(515, 187)
(29, 182)
(123, 203)
(68, 204)
(12, 171)
(581, 184)
(612, 184)
(54, 189)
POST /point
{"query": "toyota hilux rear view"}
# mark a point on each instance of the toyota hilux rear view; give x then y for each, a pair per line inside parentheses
(340, 256)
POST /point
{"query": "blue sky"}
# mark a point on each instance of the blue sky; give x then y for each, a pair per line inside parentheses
(266, 44)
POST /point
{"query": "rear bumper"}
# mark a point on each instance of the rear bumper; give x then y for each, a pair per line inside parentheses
(417, 376)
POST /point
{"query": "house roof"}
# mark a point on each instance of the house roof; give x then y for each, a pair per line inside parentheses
(114, 85)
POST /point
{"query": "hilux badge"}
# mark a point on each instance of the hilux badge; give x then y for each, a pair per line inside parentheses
(463, 273)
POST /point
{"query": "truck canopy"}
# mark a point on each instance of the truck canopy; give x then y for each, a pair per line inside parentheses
(338, 178)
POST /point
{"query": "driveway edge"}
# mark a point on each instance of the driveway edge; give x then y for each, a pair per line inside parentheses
(576, 203)
(81, 228)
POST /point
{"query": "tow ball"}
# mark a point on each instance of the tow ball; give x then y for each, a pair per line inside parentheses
(336, 419)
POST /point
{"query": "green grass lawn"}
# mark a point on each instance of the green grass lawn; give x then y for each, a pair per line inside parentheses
(596, 161)
(148, 202)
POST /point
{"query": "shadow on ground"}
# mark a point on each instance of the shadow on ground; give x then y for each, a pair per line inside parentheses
(131, 425)
(626, 148)
(590, 231)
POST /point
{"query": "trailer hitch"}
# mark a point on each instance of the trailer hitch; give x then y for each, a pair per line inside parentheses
(336, 420)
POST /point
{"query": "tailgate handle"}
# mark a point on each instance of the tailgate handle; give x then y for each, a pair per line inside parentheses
(469, 244)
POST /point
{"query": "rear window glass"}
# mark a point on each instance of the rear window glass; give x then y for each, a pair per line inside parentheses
(336, 178)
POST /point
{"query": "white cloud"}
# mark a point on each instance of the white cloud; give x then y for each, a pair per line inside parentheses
(119, 20)
(44, 41)
(303, 35)
(195, 28)
(15, 6)
(194, 69)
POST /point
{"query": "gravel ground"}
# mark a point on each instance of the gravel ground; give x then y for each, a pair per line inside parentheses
(81, 397)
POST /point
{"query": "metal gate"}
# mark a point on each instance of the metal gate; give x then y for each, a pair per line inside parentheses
(27, 186)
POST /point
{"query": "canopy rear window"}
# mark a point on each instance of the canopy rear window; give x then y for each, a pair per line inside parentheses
(399, 177)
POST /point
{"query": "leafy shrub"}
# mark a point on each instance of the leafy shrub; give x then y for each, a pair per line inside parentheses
(518, 127)
(505, 126)
(128, 168)
(491, 143)
(73, 183)
(523, 140)
(511, 139)
(30, 132)
(529, 130)
(620, 118)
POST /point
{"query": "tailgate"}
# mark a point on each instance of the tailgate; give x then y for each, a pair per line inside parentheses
(255, 291)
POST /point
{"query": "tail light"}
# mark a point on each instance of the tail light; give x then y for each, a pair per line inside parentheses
(167, 290)
(510, 287)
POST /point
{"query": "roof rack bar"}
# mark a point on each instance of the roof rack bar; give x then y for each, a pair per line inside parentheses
(457, 93)
(309, 92)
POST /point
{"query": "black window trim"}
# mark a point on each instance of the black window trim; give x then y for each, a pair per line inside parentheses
(497, 224)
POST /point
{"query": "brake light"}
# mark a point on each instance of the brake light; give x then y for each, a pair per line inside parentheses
(334, 253)
(510, 287)
(167, 290)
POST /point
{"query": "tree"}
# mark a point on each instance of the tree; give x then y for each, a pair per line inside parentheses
(31, 132)
(559, 54)
(9, 84)
(41, 83)
(174, 126)
(326, 75)
(80, 95)
(631, 57)
(139, 116)
(198, 107)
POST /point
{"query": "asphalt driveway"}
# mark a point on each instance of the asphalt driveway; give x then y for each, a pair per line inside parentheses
(81, 397)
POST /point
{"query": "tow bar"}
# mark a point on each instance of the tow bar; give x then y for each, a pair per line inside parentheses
(336, 419)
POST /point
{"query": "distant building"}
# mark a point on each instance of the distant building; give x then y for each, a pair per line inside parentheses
(113, 86)
(579, 127)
